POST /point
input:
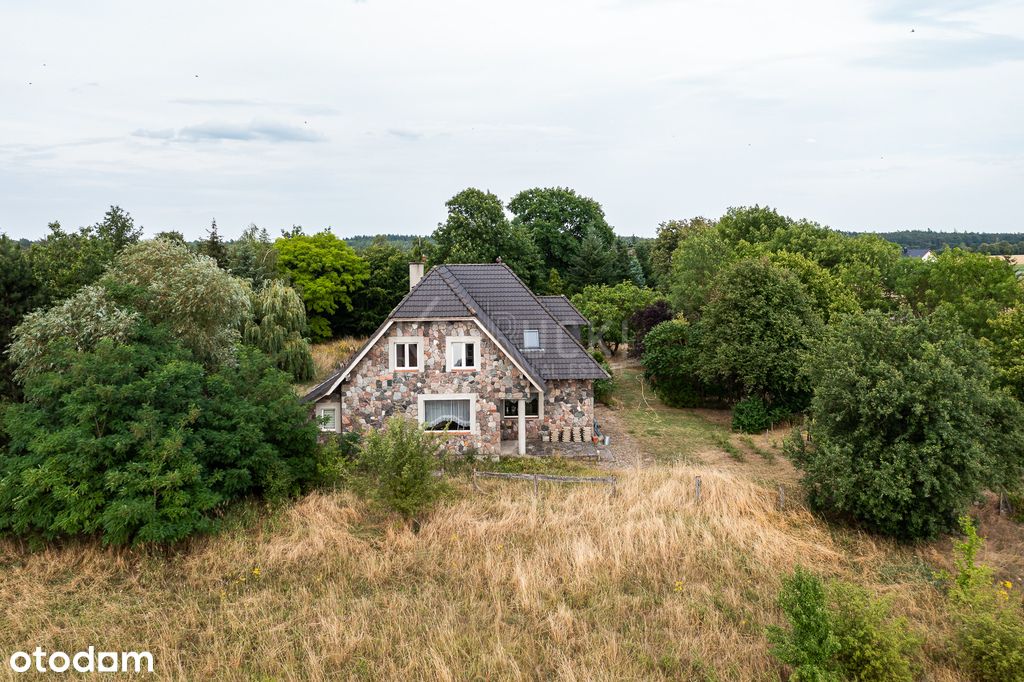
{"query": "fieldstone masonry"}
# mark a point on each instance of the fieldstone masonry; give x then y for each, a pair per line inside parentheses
(373, 392)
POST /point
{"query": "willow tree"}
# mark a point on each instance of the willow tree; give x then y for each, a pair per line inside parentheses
(277, 327)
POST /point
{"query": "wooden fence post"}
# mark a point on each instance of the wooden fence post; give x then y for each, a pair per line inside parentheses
(535, 485)
(696, 484)
(782, 497)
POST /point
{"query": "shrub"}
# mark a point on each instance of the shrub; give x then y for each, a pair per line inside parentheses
(872, 644)
(137, 442)
(906, 429)
(398, 463)
(990, 626)
(669, 364)
(750, 415)
(839, 632)
(337, 458)
(603, 388)
(809, 645)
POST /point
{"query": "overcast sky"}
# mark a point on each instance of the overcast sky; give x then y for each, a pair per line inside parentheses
(367, 116)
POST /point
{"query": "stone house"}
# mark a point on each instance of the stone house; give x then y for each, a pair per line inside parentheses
(473, 353)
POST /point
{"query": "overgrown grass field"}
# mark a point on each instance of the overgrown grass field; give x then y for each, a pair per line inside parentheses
(496, 583)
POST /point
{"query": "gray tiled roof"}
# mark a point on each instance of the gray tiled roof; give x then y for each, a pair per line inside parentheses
(563, 311)
(506, 303)
(506, 308)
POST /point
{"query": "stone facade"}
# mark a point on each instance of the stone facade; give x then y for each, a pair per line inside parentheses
(374, 390)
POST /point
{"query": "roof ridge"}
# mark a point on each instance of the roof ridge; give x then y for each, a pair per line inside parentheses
(447, 276)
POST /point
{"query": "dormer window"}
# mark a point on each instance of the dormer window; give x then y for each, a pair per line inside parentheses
(531, 338)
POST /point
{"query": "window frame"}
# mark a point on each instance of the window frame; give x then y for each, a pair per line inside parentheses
(450, 353)
(533, 395)
(393, 343)
(423, 398)
(318, 414)
(526, 346)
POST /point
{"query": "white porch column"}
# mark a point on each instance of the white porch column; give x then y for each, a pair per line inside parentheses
(522, 427)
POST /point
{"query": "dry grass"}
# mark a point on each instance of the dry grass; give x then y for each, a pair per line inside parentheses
(329, 356)
(575, 585)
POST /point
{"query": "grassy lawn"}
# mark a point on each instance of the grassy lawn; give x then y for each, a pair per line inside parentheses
(691, 435)
(670, 434)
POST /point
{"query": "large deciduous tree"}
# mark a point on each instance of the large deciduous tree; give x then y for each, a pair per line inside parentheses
(754, 331)
(973, 287)
(253, 257)
(558, 220)
(906, 427)
(700, 255)
(327, 273)
(478, 231)
(388, 283)
(162, 281)
(63, 262)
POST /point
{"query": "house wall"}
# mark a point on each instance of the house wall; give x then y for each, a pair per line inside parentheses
(373, 392)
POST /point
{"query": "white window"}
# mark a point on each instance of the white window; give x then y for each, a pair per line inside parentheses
(451, 413)
(531, 338)
(404, 352)
(511, 407)
(462, 352)
(327, 416)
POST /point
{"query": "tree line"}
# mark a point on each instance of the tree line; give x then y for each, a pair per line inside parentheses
(906, 375)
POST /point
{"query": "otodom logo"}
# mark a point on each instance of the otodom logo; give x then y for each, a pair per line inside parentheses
(87, 661)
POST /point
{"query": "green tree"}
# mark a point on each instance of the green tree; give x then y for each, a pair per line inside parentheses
(213, 246)
(1005, 343)
(277, 328)
(669, 234)
(399, 462)
(253, 257)
(751, 224)
(829, 294)
(974, 288)
(595, 263)
(18, 295)
(157, 280)
(609, 309)
(63, 262)
(135, 442)
(558, 220)
(670, 364)
(754, 331)
(117, 230)
(326, 271)
(477, 231)
(906, 427)
(388, 283)
(204, 306)
(700, 255)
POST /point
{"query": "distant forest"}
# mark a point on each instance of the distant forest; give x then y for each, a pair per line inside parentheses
(402, 241)
(995, 243)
